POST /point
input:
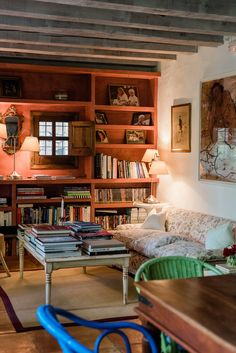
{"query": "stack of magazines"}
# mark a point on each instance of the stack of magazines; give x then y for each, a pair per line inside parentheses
(53, 241)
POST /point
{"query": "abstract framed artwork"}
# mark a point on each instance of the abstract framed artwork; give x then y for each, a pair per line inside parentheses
(218, 130)
(181, 128)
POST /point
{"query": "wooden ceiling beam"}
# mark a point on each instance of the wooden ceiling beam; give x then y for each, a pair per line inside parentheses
(115, 32)
(205, 9)
(97, 43)
(33, 48)
(68, 59)
(53, 15)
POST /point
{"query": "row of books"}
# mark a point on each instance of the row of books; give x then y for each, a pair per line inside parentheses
(111, 221)
(123, 194)
(5, 218)
(51, 214)
(108, 167)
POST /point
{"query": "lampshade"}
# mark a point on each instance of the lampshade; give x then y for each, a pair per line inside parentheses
(158, 168)
(3, 131)
(30, 144)
(150, 155)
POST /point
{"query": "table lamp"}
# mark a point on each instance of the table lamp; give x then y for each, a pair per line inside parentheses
(150, 155)
(30, 144)
(157, 167)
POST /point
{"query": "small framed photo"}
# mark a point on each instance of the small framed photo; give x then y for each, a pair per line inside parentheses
(181, 128)
(100, 118)
(133, 136)
(101, 136)
(142, 119)
(123, 95)
(10, 87)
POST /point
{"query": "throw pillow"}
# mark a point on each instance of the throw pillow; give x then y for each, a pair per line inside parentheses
(155, 221)
(220, 237)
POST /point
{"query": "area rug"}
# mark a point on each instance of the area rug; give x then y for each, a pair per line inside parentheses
(95, 295)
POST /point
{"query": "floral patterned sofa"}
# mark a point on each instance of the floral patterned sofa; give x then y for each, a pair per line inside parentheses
(185, 236)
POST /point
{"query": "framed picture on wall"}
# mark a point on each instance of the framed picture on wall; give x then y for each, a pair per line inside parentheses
(218, 130)
(181, 128)
(10, 87)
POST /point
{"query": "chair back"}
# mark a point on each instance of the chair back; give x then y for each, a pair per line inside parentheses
(48, 317)
(173, 267)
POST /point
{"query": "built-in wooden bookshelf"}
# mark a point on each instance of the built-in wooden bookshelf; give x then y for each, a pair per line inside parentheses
(88, 93)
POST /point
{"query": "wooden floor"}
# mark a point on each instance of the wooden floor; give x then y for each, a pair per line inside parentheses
(39, 341)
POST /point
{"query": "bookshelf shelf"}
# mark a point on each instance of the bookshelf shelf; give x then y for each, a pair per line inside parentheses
(124, 127)
(120, 204)
(124, 145)
(52, 200)
(124, 108)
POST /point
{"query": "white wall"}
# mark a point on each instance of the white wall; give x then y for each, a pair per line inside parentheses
(180, 83)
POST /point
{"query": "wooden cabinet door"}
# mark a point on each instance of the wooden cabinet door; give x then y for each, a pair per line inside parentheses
(82, 137)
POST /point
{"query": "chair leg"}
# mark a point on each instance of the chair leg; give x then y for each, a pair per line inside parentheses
(4, 264)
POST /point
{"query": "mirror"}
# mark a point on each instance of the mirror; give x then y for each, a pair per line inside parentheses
(13, 122)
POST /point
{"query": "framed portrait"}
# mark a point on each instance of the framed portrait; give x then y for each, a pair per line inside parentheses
(218, 130)
(10, 87)
(100, 118)
(101, 136)
(144, 119)
(123, 95)
(133, 136)
(181, 128)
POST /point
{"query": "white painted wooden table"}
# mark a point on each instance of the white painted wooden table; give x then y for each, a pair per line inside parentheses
(60, 262)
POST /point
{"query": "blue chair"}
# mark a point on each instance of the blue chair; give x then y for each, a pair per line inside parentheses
(48, 317)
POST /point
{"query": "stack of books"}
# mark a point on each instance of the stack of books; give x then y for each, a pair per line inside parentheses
(93, 247)
(79, 192)
(53, 241)
(83, 227)
(30, 193)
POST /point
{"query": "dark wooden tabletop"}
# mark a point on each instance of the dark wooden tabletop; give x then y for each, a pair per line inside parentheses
(199, 313)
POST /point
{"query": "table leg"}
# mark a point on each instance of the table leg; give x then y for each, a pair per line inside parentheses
(21, 258)
(48, 283)
(84, 270)
(125, 284)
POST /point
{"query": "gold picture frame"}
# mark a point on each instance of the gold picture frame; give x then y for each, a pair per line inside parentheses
(181, 128)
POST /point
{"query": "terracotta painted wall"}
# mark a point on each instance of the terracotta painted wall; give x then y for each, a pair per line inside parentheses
(23, 158)
(180, 83)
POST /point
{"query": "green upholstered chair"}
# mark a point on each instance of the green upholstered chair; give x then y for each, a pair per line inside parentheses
(173, 267)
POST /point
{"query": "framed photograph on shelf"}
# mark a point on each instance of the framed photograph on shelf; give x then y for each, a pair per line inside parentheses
(133, 136)
(100, 118)
(101, 136)
(144, 119)
(181, 128)
(123, 95)
(10, 87)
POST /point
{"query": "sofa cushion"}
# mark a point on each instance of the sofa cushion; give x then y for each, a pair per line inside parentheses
(145, 241)
(189, 249)
(220, 237)
(155, 221)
